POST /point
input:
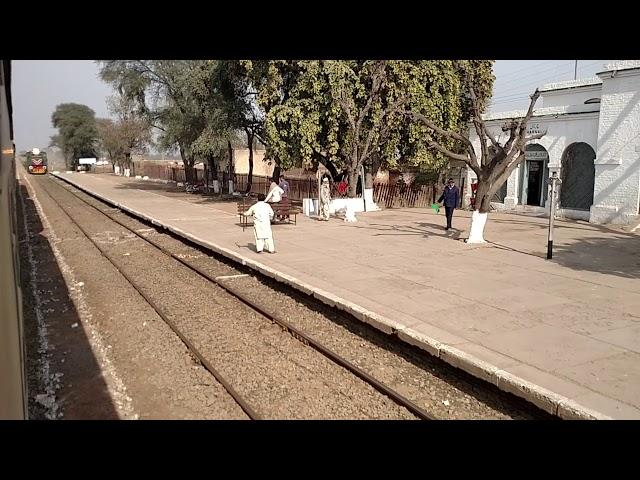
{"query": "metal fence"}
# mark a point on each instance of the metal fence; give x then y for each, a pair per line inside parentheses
(394, 196)
(385, 195)
(299, 188)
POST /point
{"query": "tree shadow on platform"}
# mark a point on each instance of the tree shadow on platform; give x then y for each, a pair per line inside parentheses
(147, 186)
(560, 224)
(84, 393)
(615, 255)
(178, 192)
(423, 229)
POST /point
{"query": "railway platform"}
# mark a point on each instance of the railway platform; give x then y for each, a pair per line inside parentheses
(563, 334)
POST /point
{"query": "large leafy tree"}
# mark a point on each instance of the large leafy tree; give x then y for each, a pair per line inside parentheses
(219, 92)
(77, 135)
(346, 114)
(233, 97)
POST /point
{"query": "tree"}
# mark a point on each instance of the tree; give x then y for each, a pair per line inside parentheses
(235, 97)
(346, 114)
(214, 94)
(133, 132)
(123, 137)
(162, 92)
(110, 140)
(77, 131)
(497, 161)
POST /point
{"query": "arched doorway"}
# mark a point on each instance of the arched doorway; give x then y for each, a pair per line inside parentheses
(578, 176)
(533, 175)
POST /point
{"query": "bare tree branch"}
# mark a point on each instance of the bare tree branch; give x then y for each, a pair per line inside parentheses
(395, 107)
(344, 103)
(448, 153)
(478, 124)
(375, 89)
(534, 98)
(512, 127)
(504, 176)
(145, 68)
(493, 140)
(455, 135)
(456, 156)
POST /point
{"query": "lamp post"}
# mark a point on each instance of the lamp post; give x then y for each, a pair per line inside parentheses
(553, 181)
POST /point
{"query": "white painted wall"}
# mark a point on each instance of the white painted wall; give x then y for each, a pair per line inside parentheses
(611, 128)
(562, 131)
(570, 96)
(617, 185)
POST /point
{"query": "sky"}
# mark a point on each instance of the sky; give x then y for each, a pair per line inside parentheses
(40, 85)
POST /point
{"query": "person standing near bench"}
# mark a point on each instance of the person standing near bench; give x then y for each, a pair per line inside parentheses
(275, 193)
(284, 185)
(450, 197)
(262, 215)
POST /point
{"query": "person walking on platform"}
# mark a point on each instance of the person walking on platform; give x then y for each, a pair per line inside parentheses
(262, 214)
(450, 198)
(284, 185)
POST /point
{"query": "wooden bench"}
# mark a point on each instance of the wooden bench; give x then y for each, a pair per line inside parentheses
(243, 206)
(283, 209)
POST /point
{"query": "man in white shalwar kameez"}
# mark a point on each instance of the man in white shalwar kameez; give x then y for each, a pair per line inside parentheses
(262, 214)
(325, 199)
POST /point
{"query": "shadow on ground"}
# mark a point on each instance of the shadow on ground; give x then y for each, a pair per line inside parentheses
(83, 393)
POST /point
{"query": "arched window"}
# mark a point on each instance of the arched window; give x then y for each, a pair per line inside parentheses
(578, 176)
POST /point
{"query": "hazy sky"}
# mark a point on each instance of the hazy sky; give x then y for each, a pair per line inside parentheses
(40, 85)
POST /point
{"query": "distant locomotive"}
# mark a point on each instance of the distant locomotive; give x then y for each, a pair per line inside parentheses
(37, 162)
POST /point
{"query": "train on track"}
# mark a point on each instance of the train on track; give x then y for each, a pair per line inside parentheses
(36, 162)
(13, 385)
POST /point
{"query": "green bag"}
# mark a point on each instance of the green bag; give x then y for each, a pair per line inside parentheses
(436, 207)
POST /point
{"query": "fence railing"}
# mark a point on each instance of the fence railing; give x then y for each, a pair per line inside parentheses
(390, 196)
(170, 172)
(385, 195)
(299, 188)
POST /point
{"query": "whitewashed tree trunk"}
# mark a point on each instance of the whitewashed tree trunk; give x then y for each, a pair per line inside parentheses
(350, 215)
(478, 221)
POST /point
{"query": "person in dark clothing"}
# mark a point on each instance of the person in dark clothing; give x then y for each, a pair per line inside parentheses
(450, 198)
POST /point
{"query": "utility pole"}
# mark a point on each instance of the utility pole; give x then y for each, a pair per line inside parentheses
(554, 180)
(575, 71)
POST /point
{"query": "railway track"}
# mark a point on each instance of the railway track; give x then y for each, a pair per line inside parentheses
(224, 283)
